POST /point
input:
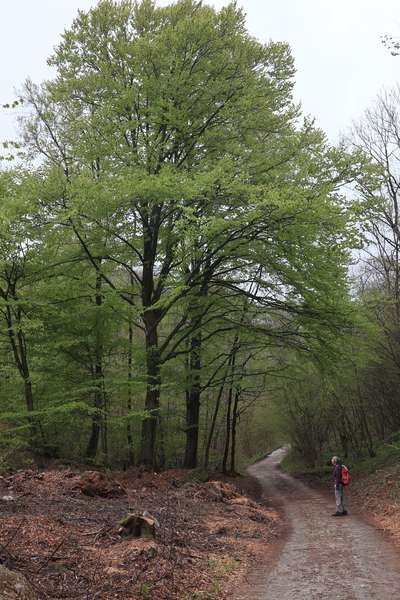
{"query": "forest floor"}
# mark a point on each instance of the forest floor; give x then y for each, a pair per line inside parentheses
(327, 558)
(67, 544)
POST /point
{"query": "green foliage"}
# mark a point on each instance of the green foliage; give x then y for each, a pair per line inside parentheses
(387, 455)
(145, 590)
(296, 466)
(385, 461)
(182, 241)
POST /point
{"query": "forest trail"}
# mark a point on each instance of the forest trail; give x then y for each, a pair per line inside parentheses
(324, 557)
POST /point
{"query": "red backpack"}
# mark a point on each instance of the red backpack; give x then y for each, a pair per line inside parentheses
(345, 475)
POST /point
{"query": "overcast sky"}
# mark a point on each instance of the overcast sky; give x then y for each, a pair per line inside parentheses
(340, 60)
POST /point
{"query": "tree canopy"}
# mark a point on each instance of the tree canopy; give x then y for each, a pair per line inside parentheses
(183, 229)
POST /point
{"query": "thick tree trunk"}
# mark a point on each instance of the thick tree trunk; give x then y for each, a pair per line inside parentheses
(93, 443)
(152, 402)
(151, 319)
(149, 426)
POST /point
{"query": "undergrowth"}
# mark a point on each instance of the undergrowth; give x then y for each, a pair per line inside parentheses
(387, 456)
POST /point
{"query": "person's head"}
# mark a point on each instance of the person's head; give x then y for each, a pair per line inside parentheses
(335, 460)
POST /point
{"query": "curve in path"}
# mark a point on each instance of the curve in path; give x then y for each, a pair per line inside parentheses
(324, 558)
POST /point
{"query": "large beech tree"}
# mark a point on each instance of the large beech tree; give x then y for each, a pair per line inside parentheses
(174, 152)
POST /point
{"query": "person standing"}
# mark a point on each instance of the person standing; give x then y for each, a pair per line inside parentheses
(339, 487)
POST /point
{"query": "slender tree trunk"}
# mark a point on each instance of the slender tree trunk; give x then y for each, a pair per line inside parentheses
(34, 423)
(213, 424)
(131, 458)
(215, 416)
(104, 423)
(227, 430)
(230, 365)
(19, 349)
(93, 443)
(229, 407)
(235, 414)
(343, 437)
(193, 402)
(99, 424)
(160, 455)
(25, 372)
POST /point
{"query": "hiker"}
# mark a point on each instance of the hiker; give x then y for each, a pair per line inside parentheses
(339, 487)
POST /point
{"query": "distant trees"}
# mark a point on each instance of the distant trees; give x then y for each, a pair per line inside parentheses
(378, 135)
(19, 248)
(354, 401)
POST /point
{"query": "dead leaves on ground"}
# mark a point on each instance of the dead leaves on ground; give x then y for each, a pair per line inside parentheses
(68, 544)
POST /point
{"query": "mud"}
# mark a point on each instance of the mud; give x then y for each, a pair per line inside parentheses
(324, 557)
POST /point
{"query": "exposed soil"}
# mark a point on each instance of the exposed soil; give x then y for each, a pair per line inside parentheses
(342, 558)
(63, 536)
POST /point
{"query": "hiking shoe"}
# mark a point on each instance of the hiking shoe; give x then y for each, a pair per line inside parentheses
(337, 514)
(345, 513)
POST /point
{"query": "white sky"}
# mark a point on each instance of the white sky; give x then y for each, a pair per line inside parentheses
(341, 63)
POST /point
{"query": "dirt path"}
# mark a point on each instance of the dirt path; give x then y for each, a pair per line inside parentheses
(324, 557)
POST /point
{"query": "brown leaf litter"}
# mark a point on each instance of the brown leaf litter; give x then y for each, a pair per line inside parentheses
(66, 542)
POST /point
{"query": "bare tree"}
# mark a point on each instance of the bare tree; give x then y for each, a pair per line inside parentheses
(378, 135)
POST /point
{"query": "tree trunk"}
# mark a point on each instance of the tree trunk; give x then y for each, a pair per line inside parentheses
(93, 444)
(193, 403)
(213, 424)
(34, 423)
(99, 426)
(227, 430)
(18, 346)
(129, 437)
(229, 407)
(151, 319)
(218, 402)
(235, 415)
(152, 402)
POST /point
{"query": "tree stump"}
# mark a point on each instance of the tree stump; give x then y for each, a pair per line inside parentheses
(138, 526)
(14, 586)
(95, 483)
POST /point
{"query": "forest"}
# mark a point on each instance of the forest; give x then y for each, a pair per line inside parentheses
(190, 273)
